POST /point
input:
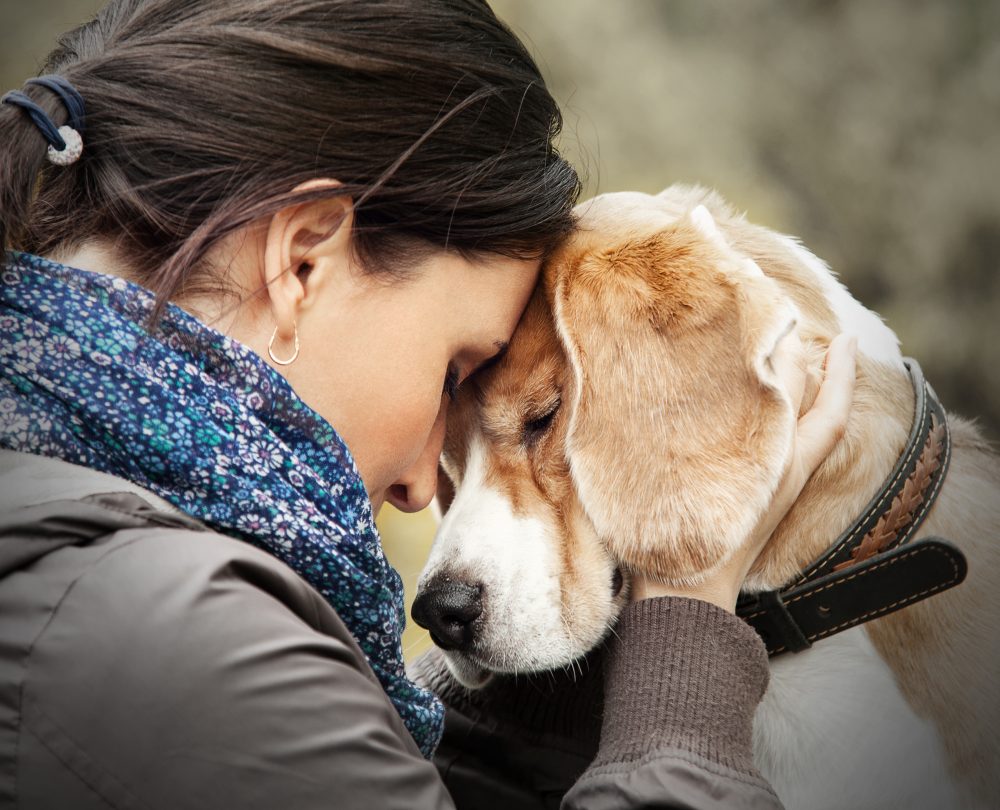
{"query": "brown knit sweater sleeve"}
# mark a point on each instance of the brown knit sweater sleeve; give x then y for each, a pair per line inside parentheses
(658, 717)
(682, 681)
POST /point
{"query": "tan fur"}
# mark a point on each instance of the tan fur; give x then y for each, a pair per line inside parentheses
(671, 434)
(636, 317)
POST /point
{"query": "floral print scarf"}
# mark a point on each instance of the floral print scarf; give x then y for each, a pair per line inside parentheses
(205, 423)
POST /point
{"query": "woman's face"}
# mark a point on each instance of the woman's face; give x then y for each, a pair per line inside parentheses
(378, 356)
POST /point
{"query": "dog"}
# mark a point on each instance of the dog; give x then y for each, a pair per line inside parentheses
(636, 424)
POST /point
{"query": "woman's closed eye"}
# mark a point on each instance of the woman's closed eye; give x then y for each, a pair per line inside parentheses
(451, 382)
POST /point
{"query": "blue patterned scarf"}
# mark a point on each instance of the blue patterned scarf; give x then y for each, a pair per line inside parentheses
(205, 423)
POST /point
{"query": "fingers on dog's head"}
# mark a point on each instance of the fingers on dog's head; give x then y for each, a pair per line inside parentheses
(678, 428)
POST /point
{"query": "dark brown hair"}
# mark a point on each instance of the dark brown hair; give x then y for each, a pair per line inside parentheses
(202, 115)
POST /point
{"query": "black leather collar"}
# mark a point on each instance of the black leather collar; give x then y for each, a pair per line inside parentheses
(871, 569)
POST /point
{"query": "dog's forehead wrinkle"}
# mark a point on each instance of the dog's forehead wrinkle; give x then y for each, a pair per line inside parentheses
(539, 384)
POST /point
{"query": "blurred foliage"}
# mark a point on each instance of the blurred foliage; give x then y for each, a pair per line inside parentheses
(871, 130)
(407, 541)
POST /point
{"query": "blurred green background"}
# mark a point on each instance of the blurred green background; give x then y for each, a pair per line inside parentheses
(871, 130)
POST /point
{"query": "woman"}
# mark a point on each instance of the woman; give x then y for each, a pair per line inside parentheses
(345, 205)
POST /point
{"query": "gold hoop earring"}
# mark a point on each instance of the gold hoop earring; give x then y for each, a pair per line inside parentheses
(295, 354)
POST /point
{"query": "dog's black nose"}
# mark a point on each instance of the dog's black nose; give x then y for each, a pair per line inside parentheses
(448, 609)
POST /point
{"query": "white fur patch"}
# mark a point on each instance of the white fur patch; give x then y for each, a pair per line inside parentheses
(875, 339)
(515, 560)
(834, 731)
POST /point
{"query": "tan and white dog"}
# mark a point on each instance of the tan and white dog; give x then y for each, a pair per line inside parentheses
(636, 423)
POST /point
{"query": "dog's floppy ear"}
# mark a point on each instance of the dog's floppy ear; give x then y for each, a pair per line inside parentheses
(678, 427)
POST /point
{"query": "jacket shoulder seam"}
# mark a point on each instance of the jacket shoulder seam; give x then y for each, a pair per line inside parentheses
(96, 498)
(69, 766)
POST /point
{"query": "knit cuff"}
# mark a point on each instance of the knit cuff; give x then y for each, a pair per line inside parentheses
(683, 674)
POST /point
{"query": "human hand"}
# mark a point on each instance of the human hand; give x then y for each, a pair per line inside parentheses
(817, 433)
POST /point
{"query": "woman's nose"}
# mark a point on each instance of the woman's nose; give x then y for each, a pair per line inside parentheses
(416, 487)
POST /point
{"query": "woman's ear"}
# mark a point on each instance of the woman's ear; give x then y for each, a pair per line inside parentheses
(678, 431)
(306, 244)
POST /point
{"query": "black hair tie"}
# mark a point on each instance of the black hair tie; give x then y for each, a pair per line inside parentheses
(65, 142)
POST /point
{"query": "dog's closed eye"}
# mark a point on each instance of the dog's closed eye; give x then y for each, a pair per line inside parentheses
(538, 426)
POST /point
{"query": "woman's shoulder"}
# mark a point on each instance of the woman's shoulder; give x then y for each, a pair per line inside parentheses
(79, 530)
(27, 479)
(166, 659)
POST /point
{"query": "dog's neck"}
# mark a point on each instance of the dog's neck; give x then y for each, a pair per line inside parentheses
(872, 569)
(839, 490)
